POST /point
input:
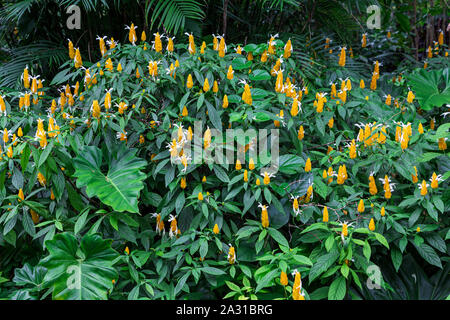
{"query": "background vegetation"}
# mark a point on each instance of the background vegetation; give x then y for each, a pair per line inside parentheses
(77, 210)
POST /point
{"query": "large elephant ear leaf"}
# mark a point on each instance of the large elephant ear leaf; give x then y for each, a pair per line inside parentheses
(120, 186)
(79, 272)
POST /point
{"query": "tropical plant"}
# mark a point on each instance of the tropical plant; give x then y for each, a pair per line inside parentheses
(120, 192)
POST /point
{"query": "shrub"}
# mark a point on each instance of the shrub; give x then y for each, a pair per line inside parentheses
(359, 175)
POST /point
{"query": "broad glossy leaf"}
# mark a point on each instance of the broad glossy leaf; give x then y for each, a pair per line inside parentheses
(120, 186)
(79, 272)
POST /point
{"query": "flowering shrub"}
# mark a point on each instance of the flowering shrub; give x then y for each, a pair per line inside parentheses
(98, 181)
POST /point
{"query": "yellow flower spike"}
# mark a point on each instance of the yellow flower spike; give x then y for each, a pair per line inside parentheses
(206, 85)
(264, 56)
(301, 133)
(361, 206)
(372, 225)
(246, 95)
(158, 43)
(41, 179)
(373, 82)
(216, 229)
(352, 152)
(432, 123)
(342, 57)
(430, 52)
(364, 40)
(251, 164)
(283, 279)
(189, 134)
(189, 82)
(203, 47)
(279, 82)
(21, 195)
(26, 78)
(238, 165)
(388, 100)
(34, 216)
(266, 179)
(258, 182)
(418, 229)
(215, 87)
(245, 176)
(183, 183)
(170, 46)
(331, 123)
(287, 49)
(230, 73)
(383, 212)
(414, 177)
(191, 47)
(294, 109)
(264, 216)
(10, 152)
(361, 84)
(441, 38)
(207, 138)
(324, 174)
(141, 139)
(410, 98)
(325, 214)
(95, 109)
(225, 102)
(119, 67)
(250, 56)
(222, 47)
(296, 288)
(231, 255)
(71, 50)
(200, 196)
(127, 251)
(308, 165)
(420, 128)
(185, 112)
(423, 189)
(348, 85)
(345, 230)
(372, 186)
(442, 144)
(434, 181)
(77, 59)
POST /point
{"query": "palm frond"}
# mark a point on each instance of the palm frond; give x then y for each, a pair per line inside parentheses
(172, 14)
(44, 53)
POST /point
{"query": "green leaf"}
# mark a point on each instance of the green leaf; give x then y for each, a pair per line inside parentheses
(323, 263)
(79, 272)
(213, 271)
(266, 280)
(337, 289)
(258, 75)
(46, 153)
(367, 250)
(120, 187)
(80, 221)
(382, 239)
(396, 257)
(429, 254)
(278, 237)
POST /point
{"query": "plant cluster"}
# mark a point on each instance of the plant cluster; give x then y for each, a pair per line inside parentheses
(100, 197)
